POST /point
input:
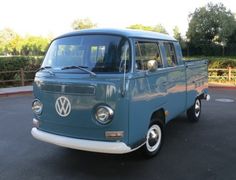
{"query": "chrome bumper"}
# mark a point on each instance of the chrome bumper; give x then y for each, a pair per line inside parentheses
(81, 144)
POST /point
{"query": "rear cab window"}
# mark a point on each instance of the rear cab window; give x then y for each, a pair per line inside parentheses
(170, 54)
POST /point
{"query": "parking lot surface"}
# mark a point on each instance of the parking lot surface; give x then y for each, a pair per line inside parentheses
(203, 150)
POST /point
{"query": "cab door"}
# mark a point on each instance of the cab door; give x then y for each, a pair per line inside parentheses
(147, 88)
(176, 80)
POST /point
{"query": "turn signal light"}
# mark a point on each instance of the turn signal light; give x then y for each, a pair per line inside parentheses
(35, 123)
(114, 134)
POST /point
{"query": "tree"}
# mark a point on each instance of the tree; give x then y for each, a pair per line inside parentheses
(34, 45)
(158, 28)
(140, 27)
(13, 44)
(211, 24)
(232, 38)
(177, 34)
(6, 35)
(178, 37)
(83, 24)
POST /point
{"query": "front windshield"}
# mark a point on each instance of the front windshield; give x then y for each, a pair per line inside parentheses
(97, 53)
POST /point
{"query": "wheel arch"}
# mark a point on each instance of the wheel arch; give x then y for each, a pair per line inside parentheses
(158, 115)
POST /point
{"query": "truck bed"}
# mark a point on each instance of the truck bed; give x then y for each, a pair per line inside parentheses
(196, 79)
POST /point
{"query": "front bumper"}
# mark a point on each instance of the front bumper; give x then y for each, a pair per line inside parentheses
(81, 144)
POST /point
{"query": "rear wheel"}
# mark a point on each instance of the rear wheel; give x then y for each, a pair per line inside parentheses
(194, 112)
(153, 139)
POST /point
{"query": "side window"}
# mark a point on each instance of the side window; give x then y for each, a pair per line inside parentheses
(170, 54)
(146, 51)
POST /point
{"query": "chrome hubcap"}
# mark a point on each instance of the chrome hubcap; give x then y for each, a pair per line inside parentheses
(153, 138)
(197, 108)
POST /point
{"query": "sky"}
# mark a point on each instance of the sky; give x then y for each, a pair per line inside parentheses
(54, 17)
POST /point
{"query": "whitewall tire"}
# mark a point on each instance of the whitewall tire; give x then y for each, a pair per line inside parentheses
(154, 138)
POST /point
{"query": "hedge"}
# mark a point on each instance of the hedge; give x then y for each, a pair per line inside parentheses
(217, 62)
(210, 49)
(12, 63)
(222, 63)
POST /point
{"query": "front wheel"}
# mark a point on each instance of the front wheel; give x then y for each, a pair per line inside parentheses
(153, 139)
(194, 112)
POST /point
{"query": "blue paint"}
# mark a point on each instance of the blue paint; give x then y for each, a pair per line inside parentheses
(134, 100)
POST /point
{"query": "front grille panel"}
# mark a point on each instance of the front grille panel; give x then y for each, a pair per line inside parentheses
(69, 89)
(83, 90)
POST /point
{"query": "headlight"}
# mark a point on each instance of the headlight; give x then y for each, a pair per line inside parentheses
(37, 106)
(104, 114)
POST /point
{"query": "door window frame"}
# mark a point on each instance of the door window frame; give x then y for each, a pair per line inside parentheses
(147, 41)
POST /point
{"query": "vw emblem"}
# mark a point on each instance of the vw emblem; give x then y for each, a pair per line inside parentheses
(63, 106)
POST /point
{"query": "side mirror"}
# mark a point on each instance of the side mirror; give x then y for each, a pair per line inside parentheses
(152, 65)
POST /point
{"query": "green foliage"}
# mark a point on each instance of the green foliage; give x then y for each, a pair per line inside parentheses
(6, 35)
(211, 24)
(218, 68)
(13, 44)
(217, 62)
(15, 63)
(158, 28)
(140, 27)
(10, 63)
(178, 37)
(28, 63)
(34, 45)
(232, 38)
(83, 24)
(177, 34)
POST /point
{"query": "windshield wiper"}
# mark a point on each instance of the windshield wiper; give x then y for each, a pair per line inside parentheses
(46, 69)
(82, 68)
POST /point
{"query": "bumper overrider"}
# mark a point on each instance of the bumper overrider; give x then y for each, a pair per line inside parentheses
(81, 144)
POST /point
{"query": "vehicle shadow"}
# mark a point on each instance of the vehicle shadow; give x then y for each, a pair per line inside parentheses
(74, 163)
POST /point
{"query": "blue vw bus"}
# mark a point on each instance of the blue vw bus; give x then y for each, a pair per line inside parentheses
(113, 91)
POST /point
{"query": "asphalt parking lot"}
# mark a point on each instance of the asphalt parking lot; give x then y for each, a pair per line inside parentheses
(203, 150)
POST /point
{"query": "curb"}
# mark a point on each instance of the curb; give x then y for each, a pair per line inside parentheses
(222, 87)
(7, 94)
